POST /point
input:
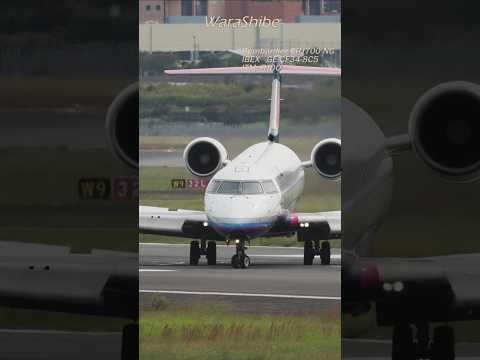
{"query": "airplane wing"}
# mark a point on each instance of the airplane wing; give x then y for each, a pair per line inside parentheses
(180, 223)
(311, 226)
(432, 288)
(330, 218)
(51, 278)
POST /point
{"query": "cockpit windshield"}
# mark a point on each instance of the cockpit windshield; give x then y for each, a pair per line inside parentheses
(251, 187)
(241, 187)
(230, 187)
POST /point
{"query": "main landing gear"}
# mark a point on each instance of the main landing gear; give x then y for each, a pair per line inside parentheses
(203, 248)
(310, 249)
(240, 259)
(406, 347)
(209, 249)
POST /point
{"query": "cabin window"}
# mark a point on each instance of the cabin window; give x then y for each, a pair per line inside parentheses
(230, 188)
(269, 187)
(251, 187)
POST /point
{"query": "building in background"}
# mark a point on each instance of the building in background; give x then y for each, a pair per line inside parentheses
(193, 11)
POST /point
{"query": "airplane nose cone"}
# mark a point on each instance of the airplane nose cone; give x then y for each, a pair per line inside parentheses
(240, 217)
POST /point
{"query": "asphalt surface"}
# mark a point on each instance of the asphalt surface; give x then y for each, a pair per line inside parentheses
(363, 349)
(276, 282)
(58, 345)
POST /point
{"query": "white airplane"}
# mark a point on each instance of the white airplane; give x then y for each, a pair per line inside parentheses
(255, 193)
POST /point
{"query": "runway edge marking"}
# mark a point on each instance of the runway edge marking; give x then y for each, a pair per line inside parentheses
(215, 293)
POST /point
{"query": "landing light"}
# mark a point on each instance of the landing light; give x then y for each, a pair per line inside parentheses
(398, 286)
(205, 223)
(237, 241)
(387, 287)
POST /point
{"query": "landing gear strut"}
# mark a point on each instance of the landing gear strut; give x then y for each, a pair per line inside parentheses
(194, 252)
(308, 253)
(404, 346)
(443, 345)
(240, 259)
(203, 248)
(310, 250)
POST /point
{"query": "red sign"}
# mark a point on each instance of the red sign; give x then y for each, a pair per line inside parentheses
(190, 183)
(116, 188)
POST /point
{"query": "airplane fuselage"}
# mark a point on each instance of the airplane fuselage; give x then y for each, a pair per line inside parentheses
(254, 191)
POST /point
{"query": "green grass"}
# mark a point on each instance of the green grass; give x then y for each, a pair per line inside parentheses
(59, 91)
(302, 145)
(204, 334)
(26, 179)
(155, 190)
(302, 104)
(39, 206)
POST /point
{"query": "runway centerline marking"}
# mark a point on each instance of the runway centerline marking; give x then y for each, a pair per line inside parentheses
(217, 293)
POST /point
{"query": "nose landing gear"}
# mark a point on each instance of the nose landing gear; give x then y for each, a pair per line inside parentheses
(240, 259)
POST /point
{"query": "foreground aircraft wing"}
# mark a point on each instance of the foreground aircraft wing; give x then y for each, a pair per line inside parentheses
(180, 223)
(49, 277)
(432, 287)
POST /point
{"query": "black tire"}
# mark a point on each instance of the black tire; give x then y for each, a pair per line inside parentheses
(130, 342)
(244, 262)
(235, 262)
(325, 254)
(212, 253)
(308, 253)
(443, 347)
(194, 253)
(403, 347)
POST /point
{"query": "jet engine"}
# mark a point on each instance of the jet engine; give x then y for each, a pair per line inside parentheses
(122, 125)
(204, 156)
(444, 129)
(326, 158)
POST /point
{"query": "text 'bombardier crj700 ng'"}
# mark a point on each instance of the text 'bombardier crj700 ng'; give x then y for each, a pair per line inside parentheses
(254, 194)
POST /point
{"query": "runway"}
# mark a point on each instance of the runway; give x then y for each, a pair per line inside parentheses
(276, 281)
(58, 345)
(366, 349)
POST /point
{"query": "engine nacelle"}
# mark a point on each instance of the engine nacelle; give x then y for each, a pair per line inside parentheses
(204, 156)
(444, 130)
(326, 158)
(122, 125)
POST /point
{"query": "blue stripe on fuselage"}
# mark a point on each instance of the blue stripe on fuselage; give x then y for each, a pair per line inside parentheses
(247, 228)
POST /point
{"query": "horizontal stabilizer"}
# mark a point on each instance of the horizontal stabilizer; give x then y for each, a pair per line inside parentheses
(259, 70)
